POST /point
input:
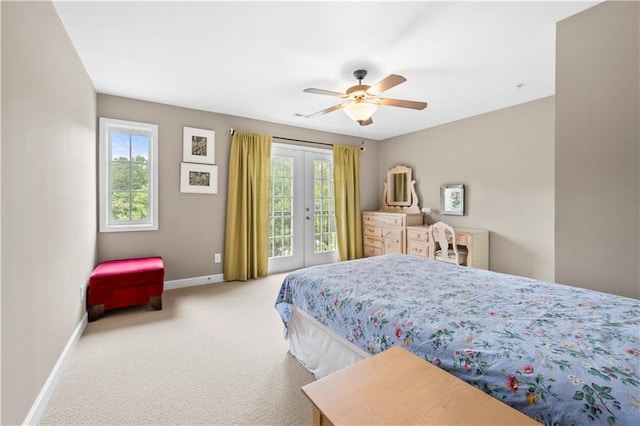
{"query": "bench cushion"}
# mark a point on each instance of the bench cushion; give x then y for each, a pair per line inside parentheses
(118, 273)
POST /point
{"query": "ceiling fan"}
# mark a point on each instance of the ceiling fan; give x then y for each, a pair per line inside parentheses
(362, 100)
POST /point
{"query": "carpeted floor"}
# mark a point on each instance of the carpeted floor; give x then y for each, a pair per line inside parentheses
(214, 355)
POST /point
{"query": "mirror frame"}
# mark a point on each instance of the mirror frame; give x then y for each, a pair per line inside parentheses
(390, 185)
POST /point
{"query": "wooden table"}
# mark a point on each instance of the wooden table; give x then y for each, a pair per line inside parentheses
(397, 387)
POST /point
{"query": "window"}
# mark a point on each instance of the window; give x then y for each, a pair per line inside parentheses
(128, 167)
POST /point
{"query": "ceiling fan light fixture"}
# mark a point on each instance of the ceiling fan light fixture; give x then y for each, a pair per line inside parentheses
(360, 111)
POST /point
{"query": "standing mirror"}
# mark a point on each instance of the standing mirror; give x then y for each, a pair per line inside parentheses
(399, 191)
(398, 186)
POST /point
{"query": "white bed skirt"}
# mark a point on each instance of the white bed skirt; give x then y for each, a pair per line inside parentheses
(318, 348)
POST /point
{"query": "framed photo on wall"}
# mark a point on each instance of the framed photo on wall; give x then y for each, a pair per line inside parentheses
(199, 178)
(452, 199)
(198, 146)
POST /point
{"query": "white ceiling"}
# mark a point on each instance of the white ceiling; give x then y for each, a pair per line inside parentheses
(253, 59)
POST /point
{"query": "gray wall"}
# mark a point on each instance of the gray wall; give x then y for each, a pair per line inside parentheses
(505, 160)
(48, 198)
(598, 148)
(192, 225)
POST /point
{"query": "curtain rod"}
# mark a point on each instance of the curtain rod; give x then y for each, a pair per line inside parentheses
(232, 131)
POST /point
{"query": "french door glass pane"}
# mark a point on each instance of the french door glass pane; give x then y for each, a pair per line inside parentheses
(324, 207)
(280, 218)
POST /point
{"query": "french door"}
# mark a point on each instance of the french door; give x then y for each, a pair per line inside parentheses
(302, 229)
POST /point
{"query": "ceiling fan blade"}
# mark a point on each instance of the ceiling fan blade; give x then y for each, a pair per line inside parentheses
(386, 84)
(402, 103)
(366, 122)
(326, 111)
(325, 92)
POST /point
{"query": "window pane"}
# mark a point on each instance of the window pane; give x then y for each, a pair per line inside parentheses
(139, 148)
(140, 177)
(120, 176)
(277, 188)
(119, 146)
(276, 166)
(286, 167)
(121, 206)
(140, 206)
(326, 205)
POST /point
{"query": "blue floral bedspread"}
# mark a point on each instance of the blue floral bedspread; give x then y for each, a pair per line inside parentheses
(560, 354)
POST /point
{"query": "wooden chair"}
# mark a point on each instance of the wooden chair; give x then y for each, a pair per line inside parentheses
(442, 244)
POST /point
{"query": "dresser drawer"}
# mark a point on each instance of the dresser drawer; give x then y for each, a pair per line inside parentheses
(383, 219)
(370, 219)
(372, 251)
(391, 220)
(372, 242)
(417, 234)
(419, 248)
(372, 230)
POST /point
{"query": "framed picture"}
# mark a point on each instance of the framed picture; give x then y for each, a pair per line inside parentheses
(199, 178)
(198, 146)
(452, 199)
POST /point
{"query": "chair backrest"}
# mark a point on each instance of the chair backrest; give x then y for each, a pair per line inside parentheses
(442, 234)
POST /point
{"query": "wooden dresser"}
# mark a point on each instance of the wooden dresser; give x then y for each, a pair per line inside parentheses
(386, 232)
(475, 240)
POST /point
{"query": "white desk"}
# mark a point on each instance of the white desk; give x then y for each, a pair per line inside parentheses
(475, 240)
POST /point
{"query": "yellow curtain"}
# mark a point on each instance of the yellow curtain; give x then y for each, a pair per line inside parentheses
(247, 230)
(346, 176)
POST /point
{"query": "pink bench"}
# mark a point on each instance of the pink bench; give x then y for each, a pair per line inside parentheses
(126, 282)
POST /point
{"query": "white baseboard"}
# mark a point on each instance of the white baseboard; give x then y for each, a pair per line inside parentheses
(33, 417)
(190, 282)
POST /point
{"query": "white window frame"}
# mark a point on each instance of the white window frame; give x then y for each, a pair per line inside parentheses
(107, 126)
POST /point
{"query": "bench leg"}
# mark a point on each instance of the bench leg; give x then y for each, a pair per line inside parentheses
(95, 312)
(156, 303)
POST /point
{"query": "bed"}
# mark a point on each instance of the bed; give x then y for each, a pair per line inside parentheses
(560, 354)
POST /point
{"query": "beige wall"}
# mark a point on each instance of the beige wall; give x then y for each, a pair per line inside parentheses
(505, 160)
(48, 198)
(597, 149)
(192, 225)
(0, 216)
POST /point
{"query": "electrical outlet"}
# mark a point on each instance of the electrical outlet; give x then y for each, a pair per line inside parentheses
(218, 258)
